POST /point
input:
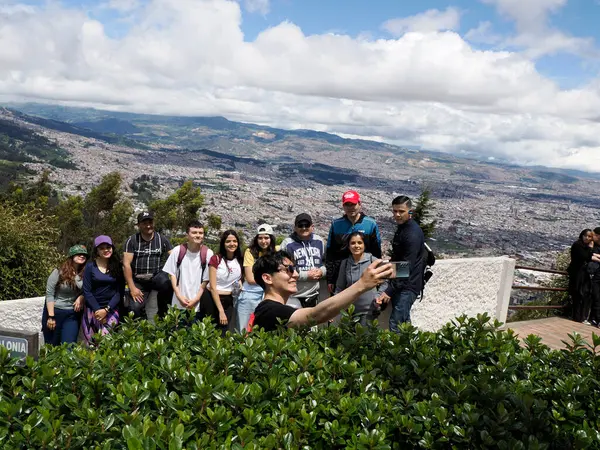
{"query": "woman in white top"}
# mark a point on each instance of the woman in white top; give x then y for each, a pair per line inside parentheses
(225, 275)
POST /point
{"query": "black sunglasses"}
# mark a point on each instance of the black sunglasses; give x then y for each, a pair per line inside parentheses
(289, 269)
(303, 225)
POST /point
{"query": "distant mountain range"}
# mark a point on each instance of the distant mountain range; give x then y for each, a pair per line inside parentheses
(218, 134)
(174, 130)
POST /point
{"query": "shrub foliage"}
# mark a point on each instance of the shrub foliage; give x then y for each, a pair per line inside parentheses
(467, 386)
(27, 255)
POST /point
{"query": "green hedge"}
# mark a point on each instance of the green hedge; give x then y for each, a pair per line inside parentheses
(466, 386)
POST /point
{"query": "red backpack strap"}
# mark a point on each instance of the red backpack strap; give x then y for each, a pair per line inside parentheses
(182, 252)
(203, 255)
(250, 323)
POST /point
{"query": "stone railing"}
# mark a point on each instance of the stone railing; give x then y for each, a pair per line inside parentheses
(459, 286)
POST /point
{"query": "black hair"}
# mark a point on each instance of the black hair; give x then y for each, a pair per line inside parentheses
(237, 254)
(268, 264)
(194, 224)
(586, 231)
(402, 200)
(356, 233)
(597, 230)
(255, 249)
(114, 266)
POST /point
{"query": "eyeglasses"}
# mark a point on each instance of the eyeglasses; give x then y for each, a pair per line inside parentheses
(290, 269)
(303, 226)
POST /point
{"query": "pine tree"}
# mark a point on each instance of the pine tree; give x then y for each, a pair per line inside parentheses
(422, 212)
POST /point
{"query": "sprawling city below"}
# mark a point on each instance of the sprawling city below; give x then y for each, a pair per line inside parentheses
(268, 175)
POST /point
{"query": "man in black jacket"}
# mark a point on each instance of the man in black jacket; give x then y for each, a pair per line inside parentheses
(408, 245)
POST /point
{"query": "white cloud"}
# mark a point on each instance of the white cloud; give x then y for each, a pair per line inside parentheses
(533, 31)
(483, 34)
(260, 6)
(190, 57)
(530, 15)
(122, 6)
(430, 20)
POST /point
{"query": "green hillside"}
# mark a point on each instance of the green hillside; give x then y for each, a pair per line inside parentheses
(19, 145)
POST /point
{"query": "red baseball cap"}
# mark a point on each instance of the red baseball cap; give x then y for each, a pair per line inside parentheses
(351, 197)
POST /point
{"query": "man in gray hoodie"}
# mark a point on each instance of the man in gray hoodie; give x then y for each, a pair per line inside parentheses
(308, 252)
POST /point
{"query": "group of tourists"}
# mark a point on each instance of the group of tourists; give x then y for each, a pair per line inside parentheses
(584, 277)
(263, 286)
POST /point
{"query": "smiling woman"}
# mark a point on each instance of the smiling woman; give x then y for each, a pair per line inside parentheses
(225, 281)
(64, 299)
(103, 288)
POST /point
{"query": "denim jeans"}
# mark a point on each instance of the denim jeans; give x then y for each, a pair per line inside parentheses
(67, 326)
(402, 301)
(245, 305)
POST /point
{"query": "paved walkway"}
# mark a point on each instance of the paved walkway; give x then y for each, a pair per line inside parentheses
(553, 330)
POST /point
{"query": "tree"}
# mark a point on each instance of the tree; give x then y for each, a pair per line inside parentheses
(71, 223)
(214, 222)
(101, 200)
(27, 252)
(39, 194)
(102, 211)
(422, 212)
(173, 213)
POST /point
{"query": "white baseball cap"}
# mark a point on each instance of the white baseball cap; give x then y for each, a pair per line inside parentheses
(265, 229)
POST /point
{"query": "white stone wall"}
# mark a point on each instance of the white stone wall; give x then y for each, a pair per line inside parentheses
(459, 286)
(463, 286)
(24, 314)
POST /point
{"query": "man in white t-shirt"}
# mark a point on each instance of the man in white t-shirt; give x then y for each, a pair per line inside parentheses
(189, 273)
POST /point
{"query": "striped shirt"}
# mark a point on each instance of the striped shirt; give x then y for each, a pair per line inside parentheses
(148, 256)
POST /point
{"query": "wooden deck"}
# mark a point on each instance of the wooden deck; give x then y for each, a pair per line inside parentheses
(553, 330)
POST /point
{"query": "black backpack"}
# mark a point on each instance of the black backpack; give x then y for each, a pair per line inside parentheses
(429, 258)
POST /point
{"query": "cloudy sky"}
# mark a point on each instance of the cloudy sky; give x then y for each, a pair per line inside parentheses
(517, 80)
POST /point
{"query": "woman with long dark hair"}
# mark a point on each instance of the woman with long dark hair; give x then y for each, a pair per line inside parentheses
(64, 300)
(252, 294)
(225, 275)
(103, 288)
(350, 272)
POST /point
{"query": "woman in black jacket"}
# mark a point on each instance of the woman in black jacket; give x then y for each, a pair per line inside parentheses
(581, 254)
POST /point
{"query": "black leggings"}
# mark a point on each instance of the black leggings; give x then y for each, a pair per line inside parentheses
(209, 309)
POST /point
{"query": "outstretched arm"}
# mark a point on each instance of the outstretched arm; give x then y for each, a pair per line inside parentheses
(331, 307)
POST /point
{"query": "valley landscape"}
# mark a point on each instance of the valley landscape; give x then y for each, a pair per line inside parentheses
(250, 173)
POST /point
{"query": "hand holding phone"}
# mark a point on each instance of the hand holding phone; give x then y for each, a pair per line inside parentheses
(400, 269)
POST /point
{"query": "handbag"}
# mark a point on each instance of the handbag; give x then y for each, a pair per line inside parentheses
(161, 282)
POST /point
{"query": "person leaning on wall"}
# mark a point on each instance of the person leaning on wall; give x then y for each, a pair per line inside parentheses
(61, 317)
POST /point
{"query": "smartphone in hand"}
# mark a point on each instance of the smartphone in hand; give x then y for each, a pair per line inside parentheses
(400, 269)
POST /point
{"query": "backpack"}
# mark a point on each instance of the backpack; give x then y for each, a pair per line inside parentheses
(429, 261)
(183, 248)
